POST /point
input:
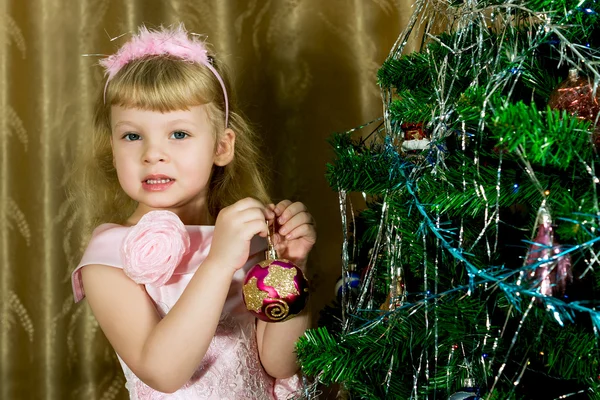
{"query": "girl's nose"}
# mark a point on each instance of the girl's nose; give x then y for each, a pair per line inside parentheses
(154, 154)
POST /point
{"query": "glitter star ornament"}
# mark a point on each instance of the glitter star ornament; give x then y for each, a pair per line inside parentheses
(275, 290)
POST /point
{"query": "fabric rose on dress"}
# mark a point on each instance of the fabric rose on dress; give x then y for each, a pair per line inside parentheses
(154, 247)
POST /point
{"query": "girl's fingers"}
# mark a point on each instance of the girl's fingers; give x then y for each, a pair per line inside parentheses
(246, 207)
(291, 210)
(248, 202)
(252, 214)
(282, 206)
(306, 231)
(256, 227)
(269, 214)
(295, 221)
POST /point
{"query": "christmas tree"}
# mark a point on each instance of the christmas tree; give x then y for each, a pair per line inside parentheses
(472, 272)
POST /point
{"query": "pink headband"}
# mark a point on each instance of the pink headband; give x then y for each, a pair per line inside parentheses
(174, 41)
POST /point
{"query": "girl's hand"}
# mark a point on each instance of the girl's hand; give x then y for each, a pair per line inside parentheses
(235, 227)
(296, 234)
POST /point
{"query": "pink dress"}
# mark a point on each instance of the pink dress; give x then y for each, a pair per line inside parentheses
(231, 368)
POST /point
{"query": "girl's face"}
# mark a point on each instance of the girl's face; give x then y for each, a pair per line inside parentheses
(164, 160)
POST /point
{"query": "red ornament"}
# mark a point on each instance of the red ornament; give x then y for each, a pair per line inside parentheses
(275, 290)
(576, 96)
(416, 138)
(413, 131)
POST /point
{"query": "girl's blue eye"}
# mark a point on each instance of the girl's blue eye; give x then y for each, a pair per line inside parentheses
(131, 137)
(179, 135)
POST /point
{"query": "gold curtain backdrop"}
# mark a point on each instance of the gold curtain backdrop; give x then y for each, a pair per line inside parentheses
(303, 70)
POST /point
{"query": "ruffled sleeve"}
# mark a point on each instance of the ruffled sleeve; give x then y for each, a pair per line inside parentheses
(103, 248)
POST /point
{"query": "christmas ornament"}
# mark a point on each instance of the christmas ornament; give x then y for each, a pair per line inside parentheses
(397, 295)
(465, 394)
(275, 289)
(576, 95)
(415, 137)
(468, 392)
(352, 283)
(554, 275)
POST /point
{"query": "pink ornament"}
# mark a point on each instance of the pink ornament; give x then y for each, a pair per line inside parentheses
(554, 275)
(275, 290)
(154, 247)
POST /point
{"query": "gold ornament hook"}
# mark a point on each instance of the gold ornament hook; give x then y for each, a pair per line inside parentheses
(270, 254)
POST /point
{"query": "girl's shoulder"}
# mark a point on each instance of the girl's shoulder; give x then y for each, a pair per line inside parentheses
(104, 244)
(106, 231)
(103, 248)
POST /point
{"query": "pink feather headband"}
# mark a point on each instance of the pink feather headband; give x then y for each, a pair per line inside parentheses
(174, 42)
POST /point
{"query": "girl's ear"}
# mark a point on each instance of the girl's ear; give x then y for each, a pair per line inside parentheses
(225, 148)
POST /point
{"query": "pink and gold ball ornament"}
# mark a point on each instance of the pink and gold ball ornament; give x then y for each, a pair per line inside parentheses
(275, 290)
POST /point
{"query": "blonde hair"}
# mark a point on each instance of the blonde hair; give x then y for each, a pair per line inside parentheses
(164, 83)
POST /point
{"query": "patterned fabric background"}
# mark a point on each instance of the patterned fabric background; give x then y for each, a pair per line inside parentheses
(303, 69)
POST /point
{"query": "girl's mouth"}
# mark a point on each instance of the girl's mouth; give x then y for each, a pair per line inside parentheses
(157, 185)
(157, 181)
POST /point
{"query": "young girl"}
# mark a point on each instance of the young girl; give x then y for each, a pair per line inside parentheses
(175, 177)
